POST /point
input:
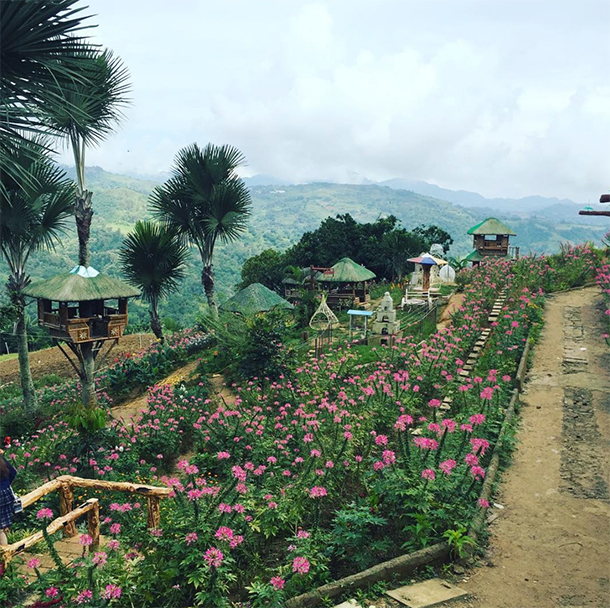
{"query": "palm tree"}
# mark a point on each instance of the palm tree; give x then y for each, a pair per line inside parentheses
(206, 202)
(88, 114)
(154, 259)
(32, 213)
(39, 52)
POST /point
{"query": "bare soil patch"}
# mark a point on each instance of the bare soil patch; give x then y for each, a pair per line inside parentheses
(51, 360)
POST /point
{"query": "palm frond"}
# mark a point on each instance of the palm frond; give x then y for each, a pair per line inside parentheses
(154, 258)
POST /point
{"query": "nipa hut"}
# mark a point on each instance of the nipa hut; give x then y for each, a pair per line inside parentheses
(254, 299)
(347, 282)
(491, 239)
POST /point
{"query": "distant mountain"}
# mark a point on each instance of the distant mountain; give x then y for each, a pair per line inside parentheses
(282, 213)
(464, 198)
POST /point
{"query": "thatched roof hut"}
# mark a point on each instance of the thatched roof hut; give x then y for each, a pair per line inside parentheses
(255, 298)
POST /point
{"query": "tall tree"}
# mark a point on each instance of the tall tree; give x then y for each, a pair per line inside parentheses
(39, 49)
(206, 202)
(32, 214)
(88, 114)
(397, 247)
(154, 259)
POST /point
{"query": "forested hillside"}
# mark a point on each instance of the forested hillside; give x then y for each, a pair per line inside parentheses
(281, 214)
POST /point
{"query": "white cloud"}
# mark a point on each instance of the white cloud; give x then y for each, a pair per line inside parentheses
(504, 98)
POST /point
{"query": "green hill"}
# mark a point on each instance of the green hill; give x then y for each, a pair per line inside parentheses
(280, 216)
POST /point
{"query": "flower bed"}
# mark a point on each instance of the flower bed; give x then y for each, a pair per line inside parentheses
(329, 470)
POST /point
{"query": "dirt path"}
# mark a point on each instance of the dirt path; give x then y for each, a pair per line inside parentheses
(455, 301)
(550, 545)
(128, 412)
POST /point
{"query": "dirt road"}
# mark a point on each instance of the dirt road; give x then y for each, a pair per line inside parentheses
(550, 545)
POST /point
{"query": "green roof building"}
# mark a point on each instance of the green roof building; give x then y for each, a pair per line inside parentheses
(348, 282)
(491, 239)
(254, 299)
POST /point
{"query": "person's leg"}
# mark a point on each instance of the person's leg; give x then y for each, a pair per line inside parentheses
(3, 539)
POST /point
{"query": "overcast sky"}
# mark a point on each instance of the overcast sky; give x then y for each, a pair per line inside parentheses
(506, 98)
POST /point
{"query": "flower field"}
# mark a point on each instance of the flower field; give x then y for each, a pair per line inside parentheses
(340, 464)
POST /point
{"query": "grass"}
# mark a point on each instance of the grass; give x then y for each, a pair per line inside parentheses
(8, 357)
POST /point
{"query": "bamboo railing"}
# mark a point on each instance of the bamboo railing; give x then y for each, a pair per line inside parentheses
(65, 485)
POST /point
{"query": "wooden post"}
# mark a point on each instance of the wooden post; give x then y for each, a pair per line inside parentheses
(66, 504)
(154, 513)
(93, 524)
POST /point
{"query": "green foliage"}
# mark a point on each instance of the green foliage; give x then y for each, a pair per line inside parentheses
(358, 535)
(266, 268)
(458, 541)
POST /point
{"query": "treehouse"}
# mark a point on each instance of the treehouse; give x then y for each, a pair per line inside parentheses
(491, 239)
(347, 282)
(82, 306)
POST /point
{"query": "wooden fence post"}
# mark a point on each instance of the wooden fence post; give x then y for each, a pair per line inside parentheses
(93, 523)
(154, 512)
(66, 504)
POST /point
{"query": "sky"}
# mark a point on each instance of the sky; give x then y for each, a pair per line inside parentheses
(508, 98)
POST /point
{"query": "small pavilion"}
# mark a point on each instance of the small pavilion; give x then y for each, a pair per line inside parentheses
(346, 282)
(83, 309)
(254, 299)
(426, 275)
(491, 239)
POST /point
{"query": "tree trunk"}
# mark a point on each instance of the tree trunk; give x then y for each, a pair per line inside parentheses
(207, 280)
(83, 212)
(155, 323)
(88, 376)
(27, 384)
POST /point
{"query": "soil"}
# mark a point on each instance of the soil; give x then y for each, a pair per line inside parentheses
(52, 361)
(455, 301)
(550, 544)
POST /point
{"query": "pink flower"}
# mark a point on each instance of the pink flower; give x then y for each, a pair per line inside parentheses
(44, 514)
(213, 557)
(447, 466)
(477, 419)
(278, 582)
(100, 558)
(434, 403)
(115, 529)
(33, 563)
(483, 503)
(302, 534)
(85, 540)
(477, 472)
(84, 596)
(224, 533)
(300, 565)
(113, 545)
(191, 538)
(112, 592)
(52, 592)
(428, 474)
(317, 492)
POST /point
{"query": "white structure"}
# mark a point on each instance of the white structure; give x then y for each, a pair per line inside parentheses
(385, 322)
(447, 274)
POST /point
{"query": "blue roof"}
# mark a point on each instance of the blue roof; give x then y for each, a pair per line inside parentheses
(360, 313)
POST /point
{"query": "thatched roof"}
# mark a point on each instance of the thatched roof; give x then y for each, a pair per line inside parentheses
(254, 299)
(80, 285)
(423, 257)
(491, 226)
(474, 256)
(347, 271)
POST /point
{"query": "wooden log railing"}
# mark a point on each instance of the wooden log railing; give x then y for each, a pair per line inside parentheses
(65, 485)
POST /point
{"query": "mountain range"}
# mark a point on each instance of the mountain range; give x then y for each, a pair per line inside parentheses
(282, 212)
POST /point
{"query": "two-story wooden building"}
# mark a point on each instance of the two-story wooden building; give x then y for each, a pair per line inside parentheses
(491, 239)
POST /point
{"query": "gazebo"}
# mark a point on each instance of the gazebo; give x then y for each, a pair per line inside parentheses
(491, 239)
(83, 309)
(254, 299)
(346, 282)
